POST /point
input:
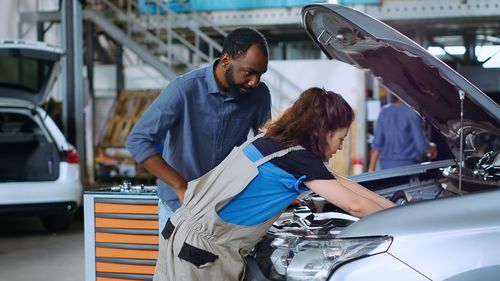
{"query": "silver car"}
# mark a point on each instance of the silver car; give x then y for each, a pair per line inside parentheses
(447, 226)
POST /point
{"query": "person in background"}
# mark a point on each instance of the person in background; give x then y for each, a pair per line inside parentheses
(54, 109)
(202, 115)
(399, 138)
(227, 211)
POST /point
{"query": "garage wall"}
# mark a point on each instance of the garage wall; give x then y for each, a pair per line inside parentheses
(8, 19)
(297, 75)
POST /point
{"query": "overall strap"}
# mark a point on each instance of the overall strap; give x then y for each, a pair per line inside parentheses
(250, 140)
(278, 154)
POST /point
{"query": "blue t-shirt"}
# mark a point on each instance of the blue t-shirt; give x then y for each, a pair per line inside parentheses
(199, 124)
(278, 183)
(399, 136)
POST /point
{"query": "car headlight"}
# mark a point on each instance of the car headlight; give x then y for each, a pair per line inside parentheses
(299, 258)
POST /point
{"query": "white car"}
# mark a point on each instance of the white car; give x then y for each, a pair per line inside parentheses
(39, 168)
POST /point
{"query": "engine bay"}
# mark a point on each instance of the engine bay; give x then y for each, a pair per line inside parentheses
(302, 243)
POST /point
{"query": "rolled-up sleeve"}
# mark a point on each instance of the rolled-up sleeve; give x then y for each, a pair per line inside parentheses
(378, 139)
(153, 126)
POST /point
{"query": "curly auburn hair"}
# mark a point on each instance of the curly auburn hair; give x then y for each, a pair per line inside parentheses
(241, 39)
(309, 120)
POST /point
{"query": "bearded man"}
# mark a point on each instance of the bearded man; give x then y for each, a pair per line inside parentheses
(201, 115)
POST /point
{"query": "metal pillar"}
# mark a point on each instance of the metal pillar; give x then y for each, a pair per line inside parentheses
(71, 25)
(40, 32)
(89, 55)
(120, 77)
(89, 62)
(68, 70)
(470, 49)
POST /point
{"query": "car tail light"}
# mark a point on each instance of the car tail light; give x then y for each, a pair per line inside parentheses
(72, 156)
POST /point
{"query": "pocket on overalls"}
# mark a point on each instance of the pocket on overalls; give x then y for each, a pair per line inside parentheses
(199, 257)
(168, 229)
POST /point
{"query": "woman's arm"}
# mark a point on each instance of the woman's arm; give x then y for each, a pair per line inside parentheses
(335, 192)
(363, 191)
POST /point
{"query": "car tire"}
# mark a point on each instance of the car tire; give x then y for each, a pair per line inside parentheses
(57, 222)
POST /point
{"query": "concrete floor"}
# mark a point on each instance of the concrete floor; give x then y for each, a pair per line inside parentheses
(29, 252)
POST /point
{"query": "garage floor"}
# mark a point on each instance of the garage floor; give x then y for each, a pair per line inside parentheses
(29, 252)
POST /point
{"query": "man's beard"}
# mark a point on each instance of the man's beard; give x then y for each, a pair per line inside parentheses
(234, 89)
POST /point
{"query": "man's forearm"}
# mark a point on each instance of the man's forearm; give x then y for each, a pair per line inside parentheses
(373, 160)
(161, 169)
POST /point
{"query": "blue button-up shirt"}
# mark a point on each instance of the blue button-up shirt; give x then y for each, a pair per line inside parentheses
(199, 125)
(399, 136)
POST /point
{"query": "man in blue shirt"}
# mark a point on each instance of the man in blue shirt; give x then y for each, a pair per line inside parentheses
(399, 138)
(202, 115)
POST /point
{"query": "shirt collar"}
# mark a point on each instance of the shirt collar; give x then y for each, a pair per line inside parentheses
(212, 86)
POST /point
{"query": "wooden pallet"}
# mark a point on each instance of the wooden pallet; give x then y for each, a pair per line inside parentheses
(128, 109)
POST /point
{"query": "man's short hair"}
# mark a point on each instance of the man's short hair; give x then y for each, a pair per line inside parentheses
(241, 39)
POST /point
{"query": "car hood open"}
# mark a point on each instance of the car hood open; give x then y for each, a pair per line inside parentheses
(421, 80)
(27, 69)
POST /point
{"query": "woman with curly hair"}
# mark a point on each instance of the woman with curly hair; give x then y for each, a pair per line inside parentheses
(227, 211)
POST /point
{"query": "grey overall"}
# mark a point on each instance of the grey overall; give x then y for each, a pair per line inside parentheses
(198, 244)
